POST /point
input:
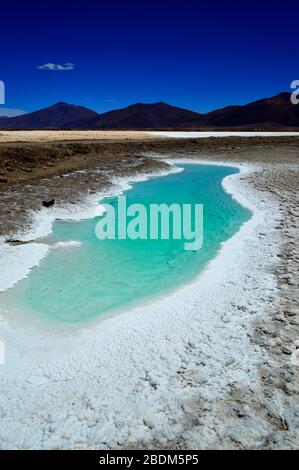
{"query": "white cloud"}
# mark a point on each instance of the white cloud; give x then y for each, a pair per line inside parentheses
(11, 112)
(67, 66)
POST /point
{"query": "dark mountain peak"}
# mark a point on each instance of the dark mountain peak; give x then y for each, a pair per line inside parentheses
(146, 116)
(275, 111)
(150, 106)
(162, 104)
(157, 104)
(64, 105)
(146, 105)
(60, 104)
(284, 94)
(59, 115)
(281, 98)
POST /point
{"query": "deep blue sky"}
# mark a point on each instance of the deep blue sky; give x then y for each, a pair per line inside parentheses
(195, 54)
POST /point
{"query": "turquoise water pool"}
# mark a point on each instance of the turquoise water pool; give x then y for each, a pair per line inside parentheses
(75, 284)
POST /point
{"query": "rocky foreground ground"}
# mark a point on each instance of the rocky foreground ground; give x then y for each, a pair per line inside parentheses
(31, 171)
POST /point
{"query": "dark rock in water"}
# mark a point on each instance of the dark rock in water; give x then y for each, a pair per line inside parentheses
(49, 203)
(16, 242)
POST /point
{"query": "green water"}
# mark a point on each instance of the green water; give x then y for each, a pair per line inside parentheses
(75, 284)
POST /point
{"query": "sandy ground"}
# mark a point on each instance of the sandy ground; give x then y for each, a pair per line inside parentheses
(54, 136)
(215, 365)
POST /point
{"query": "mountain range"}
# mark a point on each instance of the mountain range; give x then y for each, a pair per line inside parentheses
(277, 111)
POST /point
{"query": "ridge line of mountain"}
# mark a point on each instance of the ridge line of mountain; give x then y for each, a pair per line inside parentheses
(276, 111)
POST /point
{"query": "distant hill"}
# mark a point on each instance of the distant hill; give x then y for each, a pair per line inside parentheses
(268, 112)
(60, 115)
(143, 116)
(277, 111)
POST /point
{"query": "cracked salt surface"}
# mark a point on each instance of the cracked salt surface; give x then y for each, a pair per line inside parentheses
(141, 376)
